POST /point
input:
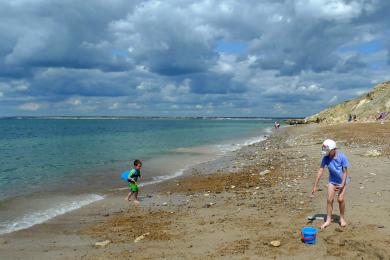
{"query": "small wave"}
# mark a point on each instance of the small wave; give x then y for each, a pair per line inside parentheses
(218, 150)
(162, 178)
(225, 148)
(39, 217)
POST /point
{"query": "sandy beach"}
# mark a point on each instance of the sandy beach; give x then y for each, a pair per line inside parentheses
(234, 208)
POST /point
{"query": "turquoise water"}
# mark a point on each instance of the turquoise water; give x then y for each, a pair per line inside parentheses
(46, 155)
(37, 152)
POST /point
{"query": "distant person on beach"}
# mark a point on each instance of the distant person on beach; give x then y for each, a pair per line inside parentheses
(382, 117)
(349, 118)
(276, 125)
(132, 179)
(337, 164)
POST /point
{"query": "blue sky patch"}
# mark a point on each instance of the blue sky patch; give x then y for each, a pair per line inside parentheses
(231, 47)
(377, 65)
(365, 48)
(119, 53)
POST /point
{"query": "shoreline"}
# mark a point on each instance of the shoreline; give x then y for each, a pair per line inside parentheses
(203, 215)
(65, 200)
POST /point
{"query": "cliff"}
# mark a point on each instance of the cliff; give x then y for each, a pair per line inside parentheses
(366, 107)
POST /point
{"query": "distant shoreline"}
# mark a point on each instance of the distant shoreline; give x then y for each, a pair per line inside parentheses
(147, 117)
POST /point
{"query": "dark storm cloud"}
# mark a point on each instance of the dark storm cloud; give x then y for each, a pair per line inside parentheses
(194, 57)
(164, 37)
(69, 34)
(81, 82)
(300, 48)
(215, 84)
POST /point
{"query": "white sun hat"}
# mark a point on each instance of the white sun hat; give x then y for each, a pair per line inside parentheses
(327, 146)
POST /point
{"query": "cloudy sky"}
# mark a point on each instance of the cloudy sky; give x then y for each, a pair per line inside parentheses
(189, 58)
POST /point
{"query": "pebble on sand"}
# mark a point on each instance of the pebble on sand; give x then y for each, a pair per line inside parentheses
(102, 243)
(275, 243)
(265, 172)
(208, 205)
(141, 237)
(373, 153)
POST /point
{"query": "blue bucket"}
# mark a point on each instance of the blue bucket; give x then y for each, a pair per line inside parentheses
(309, 235)
(125, 175)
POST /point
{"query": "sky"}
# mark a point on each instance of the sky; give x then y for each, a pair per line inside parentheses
(189, 58)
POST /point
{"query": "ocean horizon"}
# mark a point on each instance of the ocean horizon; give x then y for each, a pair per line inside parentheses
(146, 117)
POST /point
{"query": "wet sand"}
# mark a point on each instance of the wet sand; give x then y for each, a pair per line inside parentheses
(234, 208)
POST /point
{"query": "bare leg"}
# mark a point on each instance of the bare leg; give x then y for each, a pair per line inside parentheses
(329, 205)
(136, 197)
(341, 201)
(129, 196)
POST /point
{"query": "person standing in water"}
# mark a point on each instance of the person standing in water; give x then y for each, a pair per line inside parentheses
(276, 125)
(337, 164)
(132, 179)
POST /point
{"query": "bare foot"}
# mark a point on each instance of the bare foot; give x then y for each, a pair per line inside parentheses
(126, 199)
(343, 223)
(327, 223)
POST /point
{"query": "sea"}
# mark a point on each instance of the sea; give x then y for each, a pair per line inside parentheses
(50, 166)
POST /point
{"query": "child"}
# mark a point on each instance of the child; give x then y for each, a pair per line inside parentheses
(337, 164)
(132, 179)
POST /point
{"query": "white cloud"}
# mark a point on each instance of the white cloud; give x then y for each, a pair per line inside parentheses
(20, 85)
(225, 64)
(280, 108)
(133, 105)
(30, 106)
(332, 9)
(172, 92)
(14, 86)
(74, 101)
(312, 88)
(114, 106)
(333, 100)
(360, 92)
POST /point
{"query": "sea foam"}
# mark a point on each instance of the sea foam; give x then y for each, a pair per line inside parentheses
(37, 217)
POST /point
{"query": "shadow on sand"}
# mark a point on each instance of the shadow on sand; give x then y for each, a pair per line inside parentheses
(322, 217)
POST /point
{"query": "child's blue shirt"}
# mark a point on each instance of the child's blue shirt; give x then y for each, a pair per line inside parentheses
(134, 174)
(336, 167)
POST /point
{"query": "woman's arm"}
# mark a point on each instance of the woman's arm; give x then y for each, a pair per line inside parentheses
(318, 177)
(345, 175)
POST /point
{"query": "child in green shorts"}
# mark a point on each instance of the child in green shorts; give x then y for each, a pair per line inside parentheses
(132, 179)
